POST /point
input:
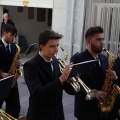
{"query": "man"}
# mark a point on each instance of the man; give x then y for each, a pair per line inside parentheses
(5, 21)
(7, 52)
(92, 74)
(117, 64)
(115, 113)
(44, 80)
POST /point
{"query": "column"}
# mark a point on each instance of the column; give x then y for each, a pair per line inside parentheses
(1, 17)
(68, 19)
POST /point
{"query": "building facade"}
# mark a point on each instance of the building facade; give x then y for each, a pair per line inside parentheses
(69, 17)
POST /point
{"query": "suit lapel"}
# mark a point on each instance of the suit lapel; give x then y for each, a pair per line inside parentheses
(3, 50)
(92, 68)
(56, 68)
(44, 66)
(87, 57)
(13, 51)
(102, 63)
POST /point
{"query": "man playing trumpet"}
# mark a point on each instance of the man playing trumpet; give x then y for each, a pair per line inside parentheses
(45, 81)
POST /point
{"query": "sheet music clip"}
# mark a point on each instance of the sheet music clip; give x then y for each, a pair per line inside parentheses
(5, 86)
(30, 48)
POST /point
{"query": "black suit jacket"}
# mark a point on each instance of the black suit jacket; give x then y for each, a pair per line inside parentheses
(89, 109)
(117, 66)
(5, 61)
(45, 102)
(117, 69)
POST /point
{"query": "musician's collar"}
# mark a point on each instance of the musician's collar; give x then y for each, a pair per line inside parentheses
(5, 44)
(44, 58)
(96, 57)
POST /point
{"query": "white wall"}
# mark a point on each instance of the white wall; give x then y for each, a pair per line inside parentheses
(31, 3)
(27, 27)
(68, 19)
(1, 15)
(59, 22)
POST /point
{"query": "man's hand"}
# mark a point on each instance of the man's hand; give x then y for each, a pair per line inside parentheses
(18, 63)
(114, 75)
(65, 73)
(4, 75)
(100, 95)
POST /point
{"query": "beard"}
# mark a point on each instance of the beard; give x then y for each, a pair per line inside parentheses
(96, 49)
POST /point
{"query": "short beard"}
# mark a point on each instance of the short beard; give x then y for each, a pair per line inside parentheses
(96, 50)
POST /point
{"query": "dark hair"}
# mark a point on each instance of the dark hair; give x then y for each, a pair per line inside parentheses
(93, 30)
(46, 35)
(9, 28)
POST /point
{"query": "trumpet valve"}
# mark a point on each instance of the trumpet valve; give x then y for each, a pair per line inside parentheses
(72, 79)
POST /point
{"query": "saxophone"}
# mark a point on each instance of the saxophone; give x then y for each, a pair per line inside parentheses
(111, 90)
(13, 69)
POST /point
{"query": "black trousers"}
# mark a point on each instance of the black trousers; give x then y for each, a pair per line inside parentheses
(12, 102)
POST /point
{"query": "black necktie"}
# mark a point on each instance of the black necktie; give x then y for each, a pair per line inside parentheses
(98, 64)
(8, 50)
(100, 72)
(51, 66)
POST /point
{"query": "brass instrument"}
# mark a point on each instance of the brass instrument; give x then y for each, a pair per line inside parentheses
(75, 82)
(13, 69)
(111, 90)
(5, 116)
(72, 81)
(90, 93)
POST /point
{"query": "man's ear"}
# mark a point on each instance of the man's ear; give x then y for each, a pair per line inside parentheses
(88, 40)
(41, 47)
(3, 33)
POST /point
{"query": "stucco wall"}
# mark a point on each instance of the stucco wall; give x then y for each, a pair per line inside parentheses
(31, 3)
(63, 19)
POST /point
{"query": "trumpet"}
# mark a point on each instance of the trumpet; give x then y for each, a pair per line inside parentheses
(90, 93)
(75, 82)
(72, 80)
(6, 116)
